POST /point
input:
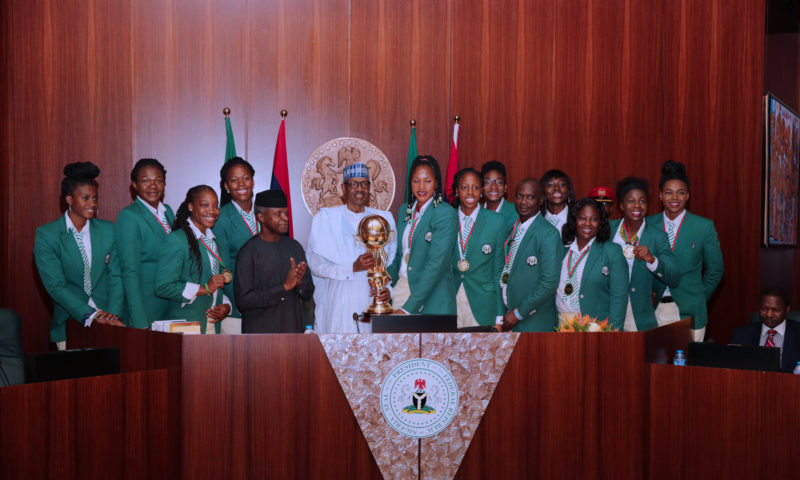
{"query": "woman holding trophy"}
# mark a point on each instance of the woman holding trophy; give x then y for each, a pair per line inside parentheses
(477, 260)
(421, 271)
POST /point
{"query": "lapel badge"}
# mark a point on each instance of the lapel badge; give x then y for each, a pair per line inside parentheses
(532, 260)
(486, 249)
(604, 271)
(428, 236)
(108, 258)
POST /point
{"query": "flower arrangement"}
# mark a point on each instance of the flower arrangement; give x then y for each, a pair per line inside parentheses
(585, 323)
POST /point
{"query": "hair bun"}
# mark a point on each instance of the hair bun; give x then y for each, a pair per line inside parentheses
(673, 169)
(82, 170)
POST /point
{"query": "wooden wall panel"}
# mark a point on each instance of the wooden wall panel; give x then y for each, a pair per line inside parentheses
(584, 388)
(601, 89)
(400, 69)
(188, 63)
(271, 407)
(71, 85)
(502, 84)
(112, 426)
(298, 60)
(6, 151)
(754, 436)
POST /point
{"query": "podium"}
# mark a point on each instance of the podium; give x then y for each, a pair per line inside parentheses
(270, 406)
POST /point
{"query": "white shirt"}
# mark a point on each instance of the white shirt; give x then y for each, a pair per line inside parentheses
(519, 235)
(571, 303)
(332, 248)
(160, 212)
(676, 225)
(618, 240)
(242, 213)
(86, 238)
(191, 289)
(778, 338)
(558, 220)
(406, 247)
(462, 219)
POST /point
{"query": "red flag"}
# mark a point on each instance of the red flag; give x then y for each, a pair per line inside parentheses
(452, 162)
(280, 170)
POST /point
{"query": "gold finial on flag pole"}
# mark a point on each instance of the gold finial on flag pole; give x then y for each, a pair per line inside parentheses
(413, 123)
(284, 113)
(457, 119)
(226, 111)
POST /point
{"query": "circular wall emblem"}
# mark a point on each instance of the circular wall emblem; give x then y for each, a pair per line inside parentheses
(322, 174)
(419, 398)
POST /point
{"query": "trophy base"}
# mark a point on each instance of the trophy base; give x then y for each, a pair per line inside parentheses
(382, 309)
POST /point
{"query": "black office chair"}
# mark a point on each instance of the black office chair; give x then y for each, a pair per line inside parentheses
(12, 365)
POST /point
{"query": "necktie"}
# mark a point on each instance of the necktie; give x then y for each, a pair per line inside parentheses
(87, 266)
(554, 220)
(163, 220)
(770, 339)
(513, 250)
(250, 220)
(467, 224)
(671, 234)
(213, 246)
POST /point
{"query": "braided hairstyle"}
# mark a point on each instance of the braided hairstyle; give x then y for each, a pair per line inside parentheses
(147, 162)
(182, 222)
(570, 230)
(456, 202)
(78, 174)
(672, 170)
(223, 177)
(552, 175)
(431, 162)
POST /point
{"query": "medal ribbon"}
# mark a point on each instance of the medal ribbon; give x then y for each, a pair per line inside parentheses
(571, 270)
(213, 254)
(624, 233)
(677, 232)
(465, 242)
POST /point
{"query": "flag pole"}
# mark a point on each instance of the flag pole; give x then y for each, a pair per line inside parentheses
(227, 112)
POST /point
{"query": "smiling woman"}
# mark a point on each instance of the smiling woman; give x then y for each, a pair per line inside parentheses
(76, 256)
(140, 229)
(194, 264)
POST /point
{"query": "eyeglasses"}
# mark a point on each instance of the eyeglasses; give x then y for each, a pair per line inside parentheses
(494, 181)
(352, 184)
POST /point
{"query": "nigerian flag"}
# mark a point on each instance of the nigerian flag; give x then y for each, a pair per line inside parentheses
(412, 154)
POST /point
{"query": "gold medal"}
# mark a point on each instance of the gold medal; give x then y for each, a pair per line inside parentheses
(628, 251)
(227, 276)
(463, 265)
(504, 278)
(568, 289)
(408, 257)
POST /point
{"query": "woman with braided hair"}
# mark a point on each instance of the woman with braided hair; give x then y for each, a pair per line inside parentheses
(194, 267)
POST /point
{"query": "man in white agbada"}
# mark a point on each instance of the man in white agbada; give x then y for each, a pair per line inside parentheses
(339, 262)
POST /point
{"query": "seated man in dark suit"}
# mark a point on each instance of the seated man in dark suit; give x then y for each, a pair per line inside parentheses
(775, 330)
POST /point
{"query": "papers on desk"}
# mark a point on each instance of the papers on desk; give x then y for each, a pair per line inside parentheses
(176, 326)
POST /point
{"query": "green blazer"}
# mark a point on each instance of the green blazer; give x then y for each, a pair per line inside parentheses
(643, 282)
(534, 277)
(176, 269)
(430, 276)
(231, 230)
(509, 213)
(696, 247)
(485, 257)
(60, 266)
(139, 237)
(604, 284)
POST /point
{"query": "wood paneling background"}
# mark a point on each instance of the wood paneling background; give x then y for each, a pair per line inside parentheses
(599, 89)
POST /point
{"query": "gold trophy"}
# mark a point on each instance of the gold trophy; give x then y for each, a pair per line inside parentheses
(374, 233)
